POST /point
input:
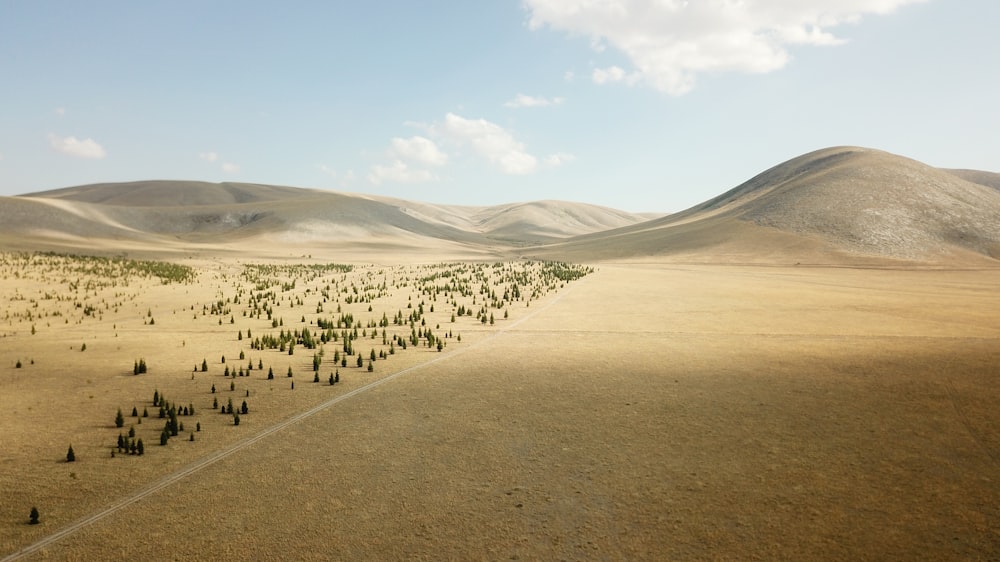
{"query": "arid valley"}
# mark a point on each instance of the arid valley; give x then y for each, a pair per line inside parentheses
(802, 368)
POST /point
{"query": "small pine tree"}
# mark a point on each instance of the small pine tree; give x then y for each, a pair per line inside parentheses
(140, 448)
(331, 379)
(33, 516)
(135, 412)
(145, 412)
(164, 437)
(270, 373)
(197, 426)
(236, 419)
(204, 365)
(191, 438)
(70, 455)
(361, 361)
(119, 419)
(289, 375)
(156, 397)
(244, 408)
(213, 388)
(83, 347)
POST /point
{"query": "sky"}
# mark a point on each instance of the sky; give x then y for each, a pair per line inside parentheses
(640, 105)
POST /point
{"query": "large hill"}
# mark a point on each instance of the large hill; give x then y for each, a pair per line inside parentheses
(836, 205)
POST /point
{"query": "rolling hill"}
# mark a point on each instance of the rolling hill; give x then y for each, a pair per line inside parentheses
(179, 214)
(835, 205)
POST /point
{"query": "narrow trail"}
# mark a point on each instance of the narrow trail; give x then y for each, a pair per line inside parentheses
(217, 456)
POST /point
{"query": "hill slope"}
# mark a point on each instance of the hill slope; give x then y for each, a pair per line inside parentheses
(180, 213)
(836, 205)
(832, 204)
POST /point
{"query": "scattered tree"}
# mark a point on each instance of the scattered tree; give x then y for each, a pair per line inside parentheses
(70, 455)
(33, 516)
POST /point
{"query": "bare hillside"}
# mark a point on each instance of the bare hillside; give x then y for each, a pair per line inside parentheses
(167, 193)
(169, 212)
(989, 179)
(832, 205)
(836, 203)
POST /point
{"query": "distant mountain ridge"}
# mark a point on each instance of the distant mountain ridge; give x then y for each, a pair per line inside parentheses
(840, 204)
(230, 212)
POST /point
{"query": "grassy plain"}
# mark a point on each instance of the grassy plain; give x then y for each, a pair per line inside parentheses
(646, 411)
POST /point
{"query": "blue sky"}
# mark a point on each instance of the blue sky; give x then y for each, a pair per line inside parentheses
(643, 105)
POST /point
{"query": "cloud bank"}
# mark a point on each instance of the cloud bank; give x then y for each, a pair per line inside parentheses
(671, 42)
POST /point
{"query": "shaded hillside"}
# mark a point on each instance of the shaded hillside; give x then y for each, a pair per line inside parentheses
(835, 203)
(167, 193)
(232, 213)
(989, 179)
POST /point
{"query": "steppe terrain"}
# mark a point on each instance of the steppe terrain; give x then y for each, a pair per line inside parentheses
(802, 368)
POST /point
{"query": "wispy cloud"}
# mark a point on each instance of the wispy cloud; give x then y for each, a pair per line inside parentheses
(399, 172)
(558, 159)
(86, 148)
(230, 168)
(208, 156)
(671, 42)
(521, 100)
(613, 74)
(409, 158)
(418, 149)
(490, 141)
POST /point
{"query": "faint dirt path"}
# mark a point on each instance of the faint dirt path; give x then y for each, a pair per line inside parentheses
(217, 456)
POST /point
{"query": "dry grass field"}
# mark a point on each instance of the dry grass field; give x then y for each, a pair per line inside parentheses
(646, 411)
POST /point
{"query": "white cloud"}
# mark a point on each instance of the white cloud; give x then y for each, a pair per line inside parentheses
(569, 75)
(327, 170)
(208, 156)
(230, 168)
(614, 74)
(558, 159)
(399, 172)
(671, 42)
(86, 148)
(490, 141)
(418, 149)
(522, 100)
(60, 111)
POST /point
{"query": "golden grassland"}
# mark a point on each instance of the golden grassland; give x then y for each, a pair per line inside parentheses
(645, 411)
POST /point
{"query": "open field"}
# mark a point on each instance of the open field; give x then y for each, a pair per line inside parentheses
(645, 411)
